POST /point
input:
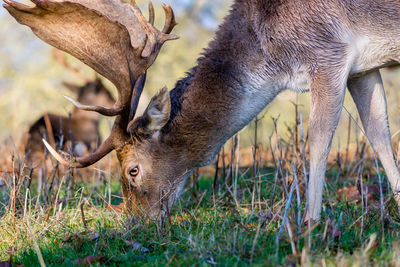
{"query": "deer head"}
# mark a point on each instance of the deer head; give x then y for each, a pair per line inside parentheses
(114, 38)
(92, 92)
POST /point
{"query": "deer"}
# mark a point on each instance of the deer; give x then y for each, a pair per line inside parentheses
(81, 129)
(262, 48)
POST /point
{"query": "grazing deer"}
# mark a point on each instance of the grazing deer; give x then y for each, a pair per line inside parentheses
(81, 130)
(262, 48)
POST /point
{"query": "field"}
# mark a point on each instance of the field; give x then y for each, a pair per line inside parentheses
(246, 209)
(237, 216)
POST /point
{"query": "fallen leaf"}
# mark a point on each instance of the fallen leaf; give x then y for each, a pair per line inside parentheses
(179, 219)
(353, 193)
(350, 194)
(251, 226)
(117, 208)
(91, 259)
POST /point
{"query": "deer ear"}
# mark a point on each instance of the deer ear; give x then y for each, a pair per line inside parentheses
(73, 88)
(157, 112)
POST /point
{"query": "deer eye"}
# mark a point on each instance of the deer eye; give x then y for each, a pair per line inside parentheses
(134, 171)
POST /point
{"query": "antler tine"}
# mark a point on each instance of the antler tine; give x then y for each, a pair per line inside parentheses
(82, 162)
(151, 13)
(155, 37)
(170, 22)
(102, 34)
(109, 112)
(151, 35)
(18, 6)
(137, 91)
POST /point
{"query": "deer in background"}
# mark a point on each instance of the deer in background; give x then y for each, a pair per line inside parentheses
(262, 48)
(81, 130)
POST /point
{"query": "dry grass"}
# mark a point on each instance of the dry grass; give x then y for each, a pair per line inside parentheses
(250, 211)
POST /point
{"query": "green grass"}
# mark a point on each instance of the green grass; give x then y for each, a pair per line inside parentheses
(202, 231)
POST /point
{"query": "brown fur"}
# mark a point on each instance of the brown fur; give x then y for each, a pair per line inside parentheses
(266, 39)
(262, 48)
(82, 129)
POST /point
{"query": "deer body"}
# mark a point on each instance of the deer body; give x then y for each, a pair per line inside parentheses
(262, 48)
(81, 130)
(259, 53)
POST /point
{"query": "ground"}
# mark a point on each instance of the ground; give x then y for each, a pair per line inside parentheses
(231, 227)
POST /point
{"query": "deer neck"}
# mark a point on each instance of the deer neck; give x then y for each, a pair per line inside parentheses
(218, 98)
(242, 71)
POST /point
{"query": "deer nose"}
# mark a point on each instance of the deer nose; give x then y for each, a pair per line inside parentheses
(144, 193)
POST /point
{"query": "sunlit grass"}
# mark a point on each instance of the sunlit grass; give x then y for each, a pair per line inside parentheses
(197, 233)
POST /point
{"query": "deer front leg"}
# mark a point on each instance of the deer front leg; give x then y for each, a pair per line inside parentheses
(369, 95)
(326, 105)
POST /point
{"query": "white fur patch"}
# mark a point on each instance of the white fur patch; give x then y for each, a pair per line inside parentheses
(368, 53)
(299, 82)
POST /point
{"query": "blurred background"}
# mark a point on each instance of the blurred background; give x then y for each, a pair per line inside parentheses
(31, 79)
(244, 198)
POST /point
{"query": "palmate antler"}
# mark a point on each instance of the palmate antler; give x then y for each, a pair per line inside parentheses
(113, 38)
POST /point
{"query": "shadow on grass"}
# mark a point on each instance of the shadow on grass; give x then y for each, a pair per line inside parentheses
(207, 230)
(203, 236)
